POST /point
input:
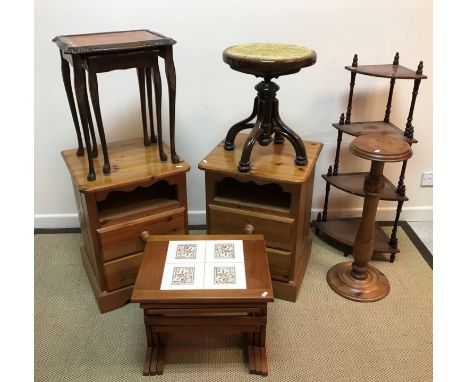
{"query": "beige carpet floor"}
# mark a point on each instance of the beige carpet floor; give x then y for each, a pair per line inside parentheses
(321, 337)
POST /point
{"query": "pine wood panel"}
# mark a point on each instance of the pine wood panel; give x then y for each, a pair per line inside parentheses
(280, 262)
(122, 239)
(122, 272)
(278, 230)
(268, 162)
(132, 162)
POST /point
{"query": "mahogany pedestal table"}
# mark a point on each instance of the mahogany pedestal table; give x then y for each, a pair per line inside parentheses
(104, 52)
(267, 61)
(359, 281)
(204, 310)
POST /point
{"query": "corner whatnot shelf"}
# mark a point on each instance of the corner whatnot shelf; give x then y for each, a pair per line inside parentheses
(344, 231)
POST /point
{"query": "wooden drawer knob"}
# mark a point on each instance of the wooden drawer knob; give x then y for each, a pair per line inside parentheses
(248, 229)
(144, 236)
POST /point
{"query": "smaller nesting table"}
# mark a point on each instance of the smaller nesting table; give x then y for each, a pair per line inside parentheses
(204, 310)
(104, 52)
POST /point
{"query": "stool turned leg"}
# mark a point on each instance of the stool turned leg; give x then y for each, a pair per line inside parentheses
(239, 126)
(291, 136)
(80, 89)
(244, 164)
(141, 84)
(171, 81)
(150, 104)
(279, 138)
(94, 92)
(71, 103)
(157, 96)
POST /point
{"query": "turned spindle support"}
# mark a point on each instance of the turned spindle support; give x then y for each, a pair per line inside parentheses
(351, 90)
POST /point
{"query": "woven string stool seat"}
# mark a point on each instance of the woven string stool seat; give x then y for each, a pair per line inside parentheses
(267, 61)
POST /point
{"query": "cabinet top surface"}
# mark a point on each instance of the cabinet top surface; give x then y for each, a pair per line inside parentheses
(386, 71)
(258, 281)
(111, 41)
(275, 161)
(131, 162)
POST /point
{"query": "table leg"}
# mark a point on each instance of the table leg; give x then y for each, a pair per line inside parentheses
(171, 82)
(147, 363)
(80, 89)
(150, 104)
(90, 122)
(256, 350)
(141, 83)
(251, 352)
(157, 96)
(71, 102)
(162, 337)
(94, 92)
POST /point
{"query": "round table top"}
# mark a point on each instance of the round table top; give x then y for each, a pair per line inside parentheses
(381, 148)
(267, 59)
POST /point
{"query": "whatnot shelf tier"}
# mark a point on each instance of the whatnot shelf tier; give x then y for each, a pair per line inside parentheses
(372, 127)
(387, 71)
(353, 183)
(345, 231)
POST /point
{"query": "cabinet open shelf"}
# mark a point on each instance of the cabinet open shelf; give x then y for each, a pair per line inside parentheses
(345, 231)
(372, 127)
(268, 197)
(140, 201)
(353, 183)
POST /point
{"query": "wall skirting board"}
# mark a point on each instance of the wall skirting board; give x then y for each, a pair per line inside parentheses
(195, 218)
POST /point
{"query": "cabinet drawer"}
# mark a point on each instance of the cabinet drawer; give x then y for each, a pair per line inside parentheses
(280, 263)
(277, 230)
(122, 272)
(124, 238)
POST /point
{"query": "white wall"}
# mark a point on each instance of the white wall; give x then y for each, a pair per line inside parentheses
(211, 96)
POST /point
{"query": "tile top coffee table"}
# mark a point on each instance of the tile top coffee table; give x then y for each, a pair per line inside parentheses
(204, 310)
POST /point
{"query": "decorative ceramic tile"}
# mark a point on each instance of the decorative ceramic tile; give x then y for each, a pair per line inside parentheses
(224, 276)
(224, 251)
(186, 251)
(183, 276)
(177, 276)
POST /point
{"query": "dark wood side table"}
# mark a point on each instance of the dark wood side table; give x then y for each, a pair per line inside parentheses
(274, 199)
(169, 311)
(359, 281)
(104, 52)
(144, 195)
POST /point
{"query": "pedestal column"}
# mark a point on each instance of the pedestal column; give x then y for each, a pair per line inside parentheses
(358, 280)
